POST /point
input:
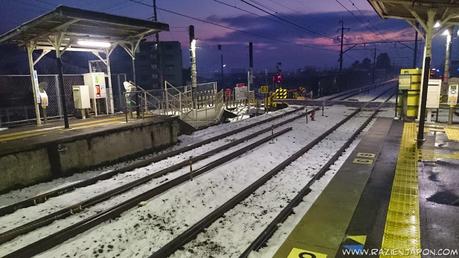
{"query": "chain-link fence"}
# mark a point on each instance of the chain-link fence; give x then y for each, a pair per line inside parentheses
(16, 96)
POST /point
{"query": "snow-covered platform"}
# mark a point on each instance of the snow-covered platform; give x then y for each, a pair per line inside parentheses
(30, 155)
(323, 227)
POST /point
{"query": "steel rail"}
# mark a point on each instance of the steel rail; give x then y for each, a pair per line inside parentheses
(199, 226)
(368, 88)
(271, 228)
(45, 196)
(384, 93)
(76, 208)
(88, 223)
(353, 92)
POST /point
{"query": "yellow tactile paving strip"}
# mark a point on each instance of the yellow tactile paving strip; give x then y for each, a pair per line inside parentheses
(402, 230)
(452, 133)
(41, 131)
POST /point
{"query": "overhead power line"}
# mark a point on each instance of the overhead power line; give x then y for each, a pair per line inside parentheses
(228, 27)
(285, 20)
(238, 8)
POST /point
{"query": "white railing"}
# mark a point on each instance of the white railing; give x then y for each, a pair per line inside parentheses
(198, 106)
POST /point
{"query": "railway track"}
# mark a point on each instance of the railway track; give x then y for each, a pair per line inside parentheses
(40, 198)
(270, 229)
(351, 93)
(62, 235)
(75, 229)
(192, 232)
(384, 92)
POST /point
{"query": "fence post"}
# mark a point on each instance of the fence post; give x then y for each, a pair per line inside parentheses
(306, 110)
(166, 96)
(145, 105)
(126, 107)
(180, 104)
(119, 92)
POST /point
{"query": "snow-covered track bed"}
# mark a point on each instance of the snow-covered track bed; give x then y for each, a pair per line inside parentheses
(247, 221)
(243, 211)
(158, 221)
(102, 213)
(372, 94)
(44, 196)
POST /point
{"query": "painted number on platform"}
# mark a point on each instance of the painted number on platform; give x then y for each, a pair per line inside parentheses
(365, 155)
(362, 161)
(300, 253)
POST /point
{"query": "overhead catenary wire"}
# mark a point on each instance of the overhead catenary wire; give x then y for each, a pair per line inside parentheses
(367, 23)
(229, 27)
(286, 20)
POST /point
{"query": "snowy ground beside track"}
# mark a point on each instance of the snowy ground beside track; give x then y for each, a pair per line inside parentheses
(369, 95)
(28, 192)
(139, 231)
(229, 236)
(142, 230)
(27, 214)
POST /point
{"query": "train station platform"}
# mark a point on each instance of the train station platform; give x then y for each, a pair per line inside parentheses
(30, 154)
(389, 197)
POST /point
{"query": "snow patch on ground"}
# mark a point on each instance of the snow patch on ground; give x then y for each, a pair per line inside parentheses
(140, 231)
(28, 192)
(230, 235)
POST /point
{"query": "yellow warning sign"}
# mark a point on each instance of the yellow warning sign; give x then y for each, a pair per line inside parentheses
(300, 253)
(264, 89)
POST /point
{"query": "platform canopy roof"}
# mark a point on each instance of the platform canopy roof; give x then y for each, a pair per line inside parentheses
(446, 11)
(66, 26)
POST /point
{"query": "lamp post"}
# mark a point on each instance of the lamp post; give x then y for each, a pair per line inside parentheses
(221, 66)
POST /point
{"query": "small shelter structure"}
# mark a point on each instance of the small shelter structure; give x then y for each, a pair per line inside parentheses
(71, 29)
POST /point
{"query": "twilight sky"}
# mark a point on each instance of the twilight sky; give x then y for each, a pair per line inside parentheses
(274, 40)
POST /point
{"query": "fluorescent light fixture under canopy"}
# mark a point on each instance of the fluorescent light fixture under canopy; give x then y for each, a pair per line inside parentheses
(93, 43)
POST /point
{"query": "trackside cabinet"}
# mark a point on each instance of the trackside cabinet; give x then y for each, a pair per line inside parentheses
(409, 84)
(97, 91)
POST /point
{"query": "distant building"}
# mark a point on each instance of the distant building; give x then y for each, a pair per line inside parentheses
(170, 61)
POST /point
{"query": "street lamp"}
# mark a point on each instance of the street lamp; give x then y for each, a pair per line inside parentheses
(444, 89)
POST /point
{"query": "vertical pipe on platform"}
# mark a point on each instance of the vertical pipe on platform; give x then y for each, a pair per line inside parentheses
(425, 74)
(30, 49)
(250, 72)
(110, 84)
(61, 87)
(193, 68)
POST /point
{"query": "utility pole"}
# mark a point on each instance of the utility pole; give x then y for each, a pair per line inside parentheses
(449, 43)
(193, 70)
(159, 73)
(221, 65)
(341, 53)
(415, 55)
(374, 65)
(250, 72)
